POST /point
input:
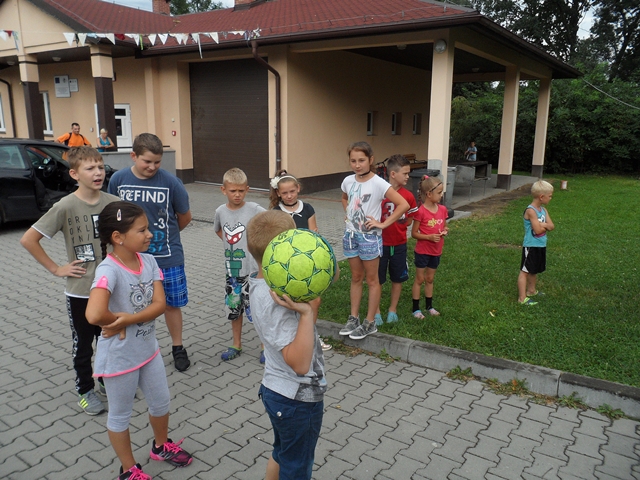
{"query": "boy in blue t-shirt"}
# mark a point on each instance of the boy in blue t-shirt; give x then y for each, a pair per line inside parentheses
(537, 223)
(166, 203)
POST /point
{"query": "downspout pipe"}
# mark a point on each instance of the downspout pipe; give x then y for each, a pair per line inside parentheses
(11, 109)
(254, 51)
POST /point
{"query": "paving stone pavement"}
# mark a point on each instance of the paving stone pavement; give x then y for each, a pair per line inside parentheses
(386, 421)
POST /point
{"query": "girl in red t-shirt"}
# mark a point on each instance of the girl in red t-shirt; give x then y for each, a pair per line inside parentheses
(429, 228)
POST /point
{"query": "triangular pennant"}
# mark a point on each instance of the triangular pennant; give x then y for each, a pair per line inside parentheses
(152, 38)
(3, 35)
(196, 37)
(119, 36)
(134, 36)
(111, 37)
(15, 38)
(214, 37)
(70, 37)
(81, 38)
(237, 32)
(163, 37)
(256, 33)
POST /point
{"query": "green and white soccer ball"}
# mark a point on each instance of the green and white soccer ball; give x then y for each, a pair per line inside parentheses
(300, 264)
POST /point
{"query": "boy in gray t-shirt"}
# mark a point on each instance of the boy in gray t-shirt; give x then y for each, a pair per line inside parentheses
(293, 384)
(230, 224)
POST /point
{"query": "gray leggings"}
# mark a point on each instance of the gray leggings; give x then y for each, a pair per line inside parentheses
(121, 392)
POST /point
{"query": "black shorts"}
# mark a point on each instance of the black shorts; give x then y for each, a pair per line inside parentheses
(395, 259)
(534, 260)
(423, 260)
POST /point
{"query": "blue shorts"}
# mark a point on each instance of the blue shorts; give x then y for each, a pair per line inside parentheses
(395, 259)
(427, 261)
(296, 428)
(175, 286)
(367, 246)
(236, 298)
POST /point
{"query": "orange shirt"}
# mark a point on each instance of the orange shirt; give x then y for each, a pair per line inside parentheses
(74, 140)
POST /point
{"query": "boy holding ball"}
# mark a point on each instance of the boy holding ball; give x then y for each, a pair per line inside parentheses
(293, 384)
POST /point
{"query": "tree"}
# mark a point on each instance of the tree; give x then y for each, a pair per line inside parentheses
(616, 32)
(550, 24)
(183, 7)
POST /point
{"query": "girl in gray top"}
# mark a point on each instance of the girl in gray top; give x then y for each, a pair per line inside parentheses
(126, 297)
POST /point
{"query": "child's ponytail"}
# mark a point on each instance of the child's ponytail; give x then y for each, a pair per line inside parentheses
(428, 184)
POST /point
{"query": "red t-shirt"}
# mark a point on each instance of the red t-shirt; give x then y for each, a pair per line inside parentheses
(430, 223)
(396, 233)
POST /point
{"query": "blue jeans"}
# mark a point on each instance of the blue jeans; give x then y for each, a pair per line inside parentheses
(296, 428)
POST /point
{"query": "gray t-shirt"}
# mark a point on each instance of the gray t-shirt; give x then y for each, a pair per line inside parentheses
(277, 327)
(233, 223)
(131, 292)
(78, 222)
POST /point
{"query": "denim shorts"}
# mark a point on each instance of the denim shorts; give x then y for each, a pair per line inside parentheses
(367, 246)
(175, 286)
(296, 428)
(427, 261)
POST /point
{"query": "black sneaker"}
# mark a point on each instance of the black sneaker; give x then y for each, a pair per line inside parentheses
(134, 473)
(181, 359)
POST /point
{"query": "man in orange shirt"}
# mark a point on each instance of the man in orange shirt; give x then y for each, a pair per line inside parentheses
(73, 138)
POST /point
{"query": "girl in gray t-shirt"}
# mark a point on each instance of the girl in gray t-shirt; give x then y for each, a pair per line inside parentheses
(126, 297)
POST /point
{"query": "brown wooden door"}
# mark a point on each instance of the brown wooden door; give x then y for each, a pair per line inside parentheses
(230, 123)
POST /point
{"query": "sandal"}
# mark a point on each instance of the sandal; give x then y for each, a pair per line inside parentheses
(325, 346)
(418, 314)
(433, 312)
(231, 353)
(528, 301)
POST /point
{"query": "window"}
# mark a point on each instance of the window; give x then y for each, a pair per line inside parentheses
(396, 123)
(10, 158)
(3, 127)
(417, 123)
(371, 123)
(46, 111)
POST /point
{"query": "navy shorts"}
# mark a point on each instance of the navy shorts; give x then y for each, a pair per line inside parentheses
(175, 286)
(534, 260)
(427, 261)
(296, 428)
(394, 258)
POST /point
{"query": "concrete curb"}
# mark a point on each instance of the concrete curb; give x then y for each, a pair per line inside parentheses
(592, 391)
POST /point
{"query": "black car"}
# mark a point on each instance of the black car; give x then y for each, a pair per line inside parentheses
(33, 176)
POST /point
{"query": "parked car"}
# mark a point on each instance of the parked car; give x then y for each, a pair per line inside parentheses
(33, 176)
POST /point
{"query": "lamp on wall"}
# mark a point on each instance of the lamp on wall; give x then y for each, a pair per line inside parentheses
(56, 59)
(11, 63)
(440, 46)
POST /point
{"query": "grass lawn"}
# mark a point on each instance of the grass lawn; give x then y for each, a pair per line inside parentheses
(588, 321)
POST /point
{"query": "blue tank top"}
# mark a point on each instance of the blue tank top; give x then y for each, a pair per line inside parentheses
(530, 238)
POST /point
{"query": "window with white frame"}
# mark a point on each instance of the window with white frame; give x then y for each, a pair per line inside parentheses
(3, 127)
(46, 111)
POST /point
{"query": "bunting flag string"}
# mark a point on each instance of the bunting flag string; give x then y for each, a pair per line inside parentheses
(139, 38)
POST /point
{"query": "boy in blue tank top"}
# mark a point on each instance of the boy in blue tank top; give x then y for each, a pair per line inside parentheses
(537, 223)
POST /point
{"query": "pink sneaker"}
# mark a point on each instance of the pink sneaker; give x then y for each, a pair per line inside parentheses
(134, 473)
(171, 452)
(433, 312)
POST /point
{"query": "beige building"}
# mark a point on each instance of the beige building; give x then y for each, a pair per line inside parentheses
(264, 85)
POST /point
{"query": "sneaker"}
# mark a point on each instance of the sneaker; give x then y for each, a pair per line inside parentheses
(262, 359)
(181, 359)
(352, 324)
(433, 312)
(101, 388)
(418, 314)
(392, 317)
(367, 328)
(134, 473)
(90, 403)
(377, 318)
(170, 452)
(527, 301)
(230, 353)
(536, 293)
(325, 346)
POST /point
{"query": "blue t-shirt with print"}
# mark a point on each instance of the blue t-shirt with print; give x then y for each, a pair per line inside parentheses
(161, 197)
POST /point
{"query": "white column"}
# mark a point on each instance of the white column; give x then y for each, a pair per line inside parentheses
(542, 122)
(508, 132)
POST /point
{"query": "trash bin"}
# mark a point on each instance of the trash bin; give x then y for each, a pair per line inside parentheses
(415, 177)
(451, 181)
